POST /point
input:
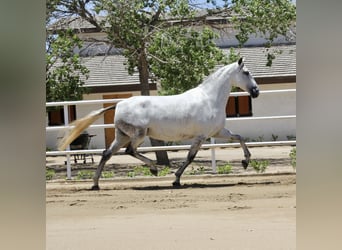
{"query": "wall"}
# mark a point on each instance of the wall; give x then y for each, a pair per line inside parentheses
(275, 104)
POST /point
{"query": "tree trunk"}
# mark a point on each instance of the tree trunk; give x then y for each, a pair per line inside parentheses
(162, 157)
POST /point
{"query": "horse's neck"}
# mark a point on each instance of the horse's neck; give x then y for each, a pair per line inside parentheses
(218, 86)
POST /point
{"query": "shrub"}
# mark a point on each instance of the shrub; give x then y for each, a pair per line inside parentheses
(259, 166)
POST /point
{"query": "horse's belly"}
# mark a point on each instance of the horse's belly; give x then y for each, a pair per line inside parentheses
(170, 136)
(176, 132)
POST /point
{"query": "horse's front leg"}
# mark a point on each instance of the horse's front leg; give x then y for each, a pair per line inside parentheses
(226, 134)
(196, 145)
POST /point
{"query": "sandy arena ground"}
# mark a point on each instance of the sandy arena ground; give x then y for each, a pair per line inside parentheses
(242, 210)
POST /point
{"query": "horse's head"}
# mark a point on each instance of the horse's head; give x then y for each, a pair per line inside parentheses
(244, 80)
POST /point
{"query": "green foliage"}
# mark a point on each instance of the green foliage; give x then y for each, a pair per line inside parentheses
(131, 174)
(165, 171)
(84, 174)
(233, 56)
(141, 170)
(259, 166)
(65, 74)
(107, 174)
(145, 171)
(293, 156)
(268, 17)
(49, 174)
(225, 169)
(132, 24)
(181, 58)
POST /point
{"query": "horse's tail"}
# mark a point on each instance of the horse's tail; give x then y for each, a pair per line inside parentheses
(80, 125)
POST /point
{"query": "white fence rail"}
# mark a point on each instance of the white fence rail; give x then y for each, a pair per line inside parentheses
(211, 146)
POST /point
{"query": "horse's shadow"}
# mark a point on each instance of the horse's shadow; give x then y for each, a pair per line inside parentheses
(186, 186)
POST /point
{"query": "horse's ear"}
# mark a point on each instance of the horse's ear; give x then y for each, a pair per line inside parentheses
(241, 63)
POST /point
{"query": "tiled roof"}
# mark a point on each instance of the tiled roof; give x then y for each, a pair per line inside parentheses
(75, 23)
(110, 70)
(283, 65)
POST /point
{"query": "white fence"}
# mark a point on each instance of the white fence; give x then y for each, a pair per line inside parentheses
(211, 146)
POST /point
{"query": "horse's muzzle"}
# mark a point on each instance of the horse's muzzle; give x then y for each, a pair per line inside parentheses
(254, 92)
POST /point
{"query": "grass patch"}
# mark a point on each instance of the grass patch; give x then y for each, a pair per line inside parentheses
(224, 169)
(84, 174)
(49, 174)
(107, 174)
(259, 166)
(139, 170)
(145, 171)
(165, 171)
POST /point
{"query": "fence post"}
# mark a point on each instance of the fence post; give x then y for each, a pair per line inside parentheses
(66, 123)
(213, 157)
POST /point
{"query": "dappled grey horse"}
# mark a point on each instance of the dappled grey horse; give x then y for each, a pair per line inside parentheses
(197, 114)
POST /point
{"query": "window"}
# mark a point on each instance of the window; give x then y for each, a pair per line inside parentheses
(56, 117)
(239, 106)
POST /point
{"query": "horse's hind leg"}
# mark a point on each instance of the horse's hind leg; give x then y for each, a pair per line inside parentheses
(226, 134)
(132, 150)
(191, 155)
(136, 135)
(120, 141)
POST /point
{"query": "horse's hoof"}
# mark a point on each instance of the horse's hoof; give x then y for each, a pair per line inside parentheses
(244, 164)
(154, 171)
(95, 187)
(176, 184)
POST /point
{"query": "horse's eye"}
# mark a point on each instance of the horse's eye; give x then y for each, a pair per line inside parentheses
(246, 73)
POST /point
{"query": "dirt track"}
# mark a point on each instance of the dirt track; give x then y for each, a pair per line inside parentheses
(214, 213)
(208, 212)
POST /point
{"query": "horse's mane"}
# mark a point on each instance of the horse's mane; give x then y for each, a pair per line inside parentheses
(216, 74)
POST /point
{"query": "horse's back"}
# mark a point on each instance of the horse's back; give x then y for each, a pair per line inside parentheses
(170, 118)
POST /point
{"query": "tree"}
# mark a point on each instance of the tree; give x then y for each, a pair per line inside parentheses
(65, 73)
(185, 57)
(271, 18)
